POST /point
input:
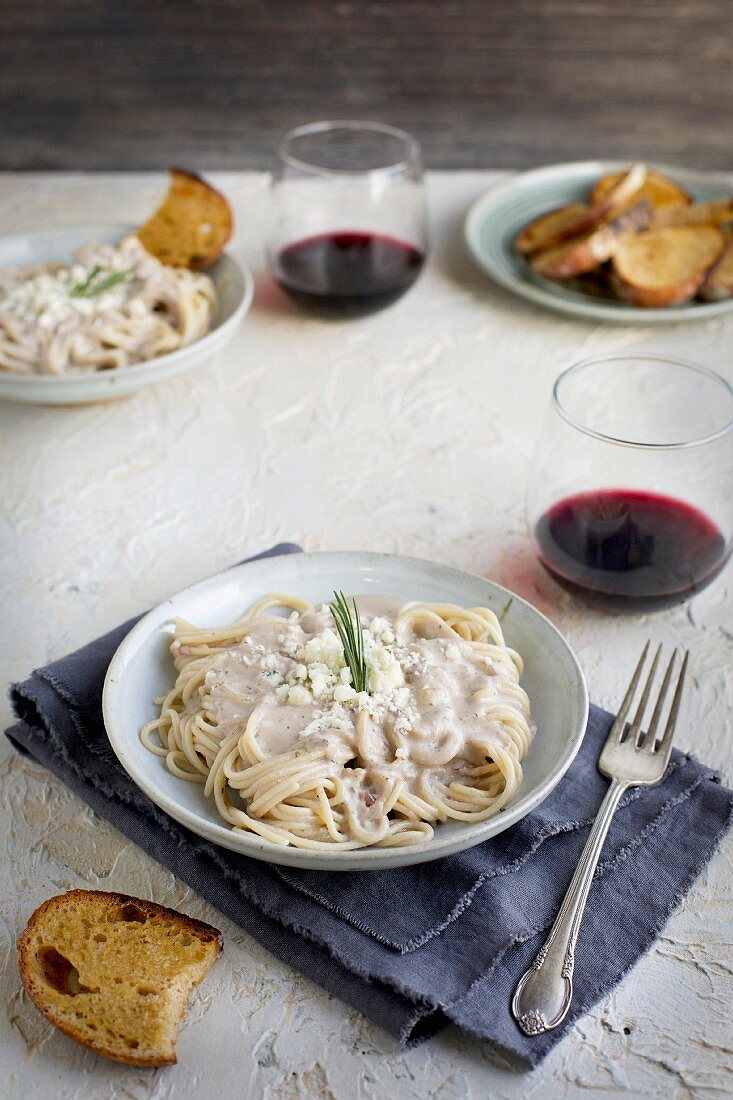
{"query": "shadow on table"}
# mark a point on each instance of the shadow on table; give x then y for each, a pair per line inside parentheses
(517, 569)
(270, 299)
(458, 264)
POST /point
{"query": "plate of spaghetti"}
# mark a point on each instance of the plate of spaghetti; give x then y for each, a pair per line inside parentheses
(345, 710)
(88, 314)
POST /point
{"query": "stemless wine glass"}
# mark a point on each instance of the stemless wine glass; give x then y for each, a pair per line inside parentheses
(630, 502)
(348, 233)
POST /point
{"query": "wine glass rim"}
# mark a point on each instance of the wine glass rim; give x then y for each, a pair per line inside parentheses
(412, 156)
(669, 360)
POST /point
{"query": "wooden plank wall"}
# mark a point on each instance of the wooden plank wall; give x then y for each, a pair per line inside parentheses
(501, 83)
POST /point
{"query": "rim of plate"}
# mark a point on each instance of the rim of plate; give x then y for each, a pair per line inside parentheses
(135, 370)
(503, 269)
(363, 858)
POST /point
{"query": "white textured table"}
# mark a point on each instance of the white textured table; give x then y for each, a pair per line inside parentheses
(407, 432)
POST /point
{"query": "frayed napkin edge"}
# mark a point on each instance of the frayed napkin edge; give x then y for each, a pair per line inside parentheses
(23, 694)
(549, 832)
(203, 850)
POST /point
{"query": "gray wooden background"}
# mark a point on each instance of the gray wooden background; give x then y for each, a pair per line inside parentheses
(501, 83)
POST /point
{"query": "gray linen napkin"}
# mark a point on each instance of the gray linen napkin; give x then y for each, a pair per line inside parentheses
(419, 947)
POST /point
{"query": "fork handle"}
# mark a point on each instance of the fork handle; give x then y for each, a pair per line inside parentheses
(542, 998)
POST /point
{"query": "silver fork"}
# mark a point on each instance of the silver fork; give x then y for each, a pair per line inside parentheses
(629, 758)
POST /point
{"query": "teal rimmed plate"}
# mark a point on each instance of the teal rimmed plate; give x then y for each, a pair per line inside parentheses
(496, 218)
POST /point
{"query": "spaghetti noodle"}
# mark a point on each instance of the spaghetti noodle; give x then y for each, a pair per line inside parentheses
(263, 713)
(114, 306)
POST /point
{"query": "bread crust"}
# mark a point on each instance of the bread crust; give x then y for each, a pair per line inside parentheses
(111, 901)
(550, 229)
(192, 225)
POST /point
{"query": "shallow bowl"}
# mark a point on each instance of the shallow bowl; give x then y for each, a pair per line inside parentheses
(142, 669)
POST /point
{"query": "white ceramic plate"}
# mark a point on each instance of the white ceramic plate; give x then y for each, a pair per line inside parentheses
(142, 669)
(496, 218)
(234, 286)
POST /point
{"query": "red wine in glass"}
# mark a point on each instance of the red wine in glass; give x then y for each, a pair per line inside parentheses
(348, 273)
(627, 549)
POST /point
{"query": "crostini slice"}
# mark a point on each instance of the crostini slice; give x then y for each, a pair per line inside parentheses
(574, 219)
(664, 267)
(714, 212)
(590, 249)
(549, 229)
(719, 284)
(658, 190)
(115, 972)
(191, 226)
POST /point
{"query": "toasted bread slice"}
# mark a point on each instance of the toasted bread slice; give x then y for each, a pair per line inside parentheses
(191, 226)
(566, 222)
(549, 229)
(576, 256)
(624, 189)
(115, 972)
(586, 251)
(663, 267)
(658, 190)
(715, 212)
(719, 283)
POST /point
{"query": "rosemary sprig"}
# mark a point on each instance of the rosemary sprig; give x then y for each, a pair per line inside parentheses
(80, 290)
(93, 286)
(348, 625)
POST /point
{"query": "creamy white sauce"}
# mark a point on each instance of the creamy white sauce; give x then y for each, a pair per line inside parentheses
(147, 309)
(423, 719)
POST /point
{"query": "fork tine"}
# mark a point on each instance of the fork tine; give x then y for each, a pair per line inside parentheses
(633, 733)
(617, 729)
(649, 740)
(665, 745)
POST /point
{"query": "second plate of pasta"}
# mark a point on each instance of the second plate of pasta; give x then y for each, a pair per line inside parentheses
(72, 333)
(425, 713)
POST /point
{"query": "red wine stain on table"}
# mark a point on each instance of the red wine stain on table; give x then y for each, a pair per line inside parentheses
(516, 568)
(348, 274)
(623, 548)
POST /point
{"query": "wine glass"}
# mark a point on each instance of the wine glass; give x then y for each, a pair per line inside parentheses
(348, 233)
(630, 503)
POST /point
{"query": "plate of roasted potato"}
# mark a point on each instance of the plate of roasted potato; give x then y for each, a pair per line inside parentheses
(611, 241)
